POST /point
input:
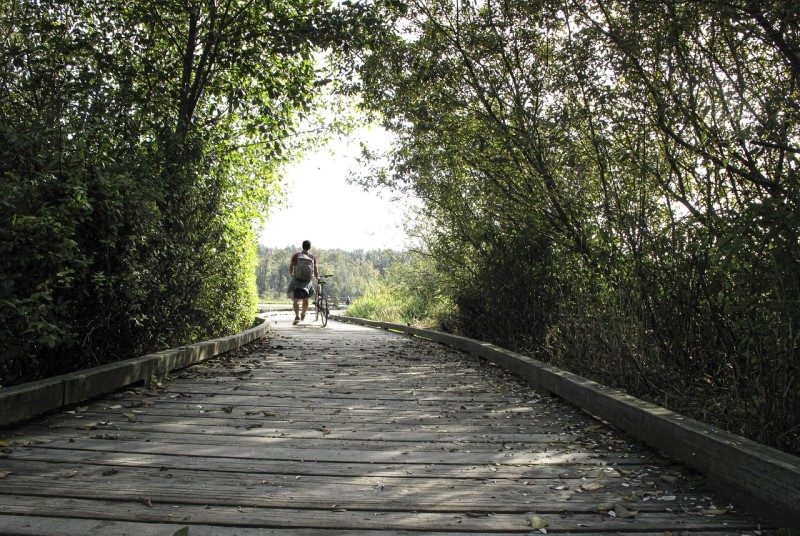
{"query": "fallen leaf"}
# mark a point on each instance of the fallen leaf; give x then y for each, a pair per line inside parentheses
(81, 409)
(667, 498)
(714, 511)
(251, 426)
(4, 443)
(183, 531)
(67, 474)
(669, 479)
(624, 512)
(148, 502)
(269, 413)
(227, 409)
(110, 472)
(538, 522)
(41, 440)
(88, 426)
(130, 416)
(591, 486)
(605, 507)
(4, 474)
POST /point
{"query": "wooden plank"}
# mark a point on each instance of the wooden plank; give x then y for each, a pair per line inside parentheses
(60, 526)
(339, 453)
(255, 430)
(36, 526)
(308, 468)
(343, 519)
(367, 492)
(343, 419)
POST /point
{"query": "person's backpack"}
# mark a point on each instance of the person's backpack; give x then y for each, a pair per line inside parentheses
(305, 268)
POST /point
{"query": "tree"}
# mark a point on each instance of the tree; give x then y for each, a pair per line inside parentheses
(140, 142)
(611, 186)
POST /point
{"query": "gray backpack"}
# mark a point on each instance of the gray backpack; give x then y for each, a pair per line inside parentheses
(305, 268)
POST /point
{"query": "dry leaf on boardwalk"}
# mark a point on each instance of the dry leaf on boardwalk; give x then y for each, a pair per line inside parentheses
(538, 522)
(714, 511)
(605, 507)
(623, 512)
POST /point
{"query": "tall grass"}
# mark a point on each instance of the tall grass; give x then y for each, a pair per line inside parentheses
(409, 293)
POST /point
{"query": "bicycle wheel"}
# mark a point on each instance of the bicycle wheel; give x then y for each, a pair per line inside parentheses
(316, 310)
(324, 310)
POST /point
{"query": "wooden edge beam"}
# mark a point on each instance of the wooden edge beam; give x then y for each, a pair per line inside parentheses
(761, 478)
(22, 402)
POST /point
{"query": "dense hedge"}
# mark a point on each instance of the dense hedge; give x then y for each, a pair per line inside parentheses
(139, 147)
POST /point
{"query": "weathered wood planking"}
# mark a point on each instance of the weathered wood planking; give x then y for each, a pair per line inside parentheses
(764, 478)
(342, 430)
(25, 401)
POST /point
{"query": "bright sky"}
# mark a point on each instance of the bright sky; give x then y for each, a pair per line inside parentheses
(322, 207)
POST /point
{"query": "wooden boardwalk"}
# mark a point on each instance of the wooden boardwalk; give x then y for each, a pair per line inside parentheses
(342, 430)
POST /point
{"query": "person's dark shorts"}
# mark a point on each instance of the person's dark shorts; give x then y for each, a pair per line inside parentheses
(300, 294)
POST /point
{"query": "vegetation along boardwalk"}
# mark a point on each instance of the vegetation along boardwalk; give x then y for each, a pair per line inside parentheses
(342, 429)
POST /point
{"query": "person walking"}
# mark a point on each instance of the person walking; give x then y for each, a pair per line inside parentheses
(303, 270)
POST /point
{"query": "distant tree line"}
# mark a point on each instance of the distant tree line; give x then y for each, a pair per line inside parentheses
(353, 271)
(611, 186)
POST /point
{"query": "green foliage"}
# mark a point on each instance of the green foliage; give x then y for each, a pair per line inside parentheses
(411, 291)
(140, 143)
(612, 187)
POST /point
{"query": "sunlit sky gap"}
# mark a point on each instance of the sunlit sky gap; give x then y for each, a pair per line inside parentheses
(323, 207)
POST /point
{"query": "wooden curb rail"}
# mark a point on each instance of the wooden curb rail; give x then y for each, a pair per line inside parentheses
(758, 477)
(28, 400)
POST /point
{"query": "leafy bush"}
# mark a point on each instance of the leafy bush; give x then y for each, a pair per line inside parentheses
(410, 292)
(140, 144)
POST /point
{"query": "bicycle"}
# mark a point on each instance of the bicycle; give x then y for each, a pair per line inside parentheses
(321, 301)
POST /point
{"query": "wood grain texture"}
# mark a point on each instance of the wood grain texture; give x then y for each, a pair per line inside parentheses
(343, 430)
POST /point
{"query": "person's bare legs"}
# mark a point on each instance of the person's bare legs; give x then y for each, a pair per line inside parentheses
(296, 305)
(305, 308)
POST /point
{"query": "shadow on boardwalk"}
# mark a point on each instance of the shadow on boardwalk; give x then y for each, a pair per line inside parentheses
(342, 429)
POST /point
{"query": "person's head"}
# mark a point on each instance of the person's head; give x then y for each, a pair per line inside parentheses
(306, 244)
